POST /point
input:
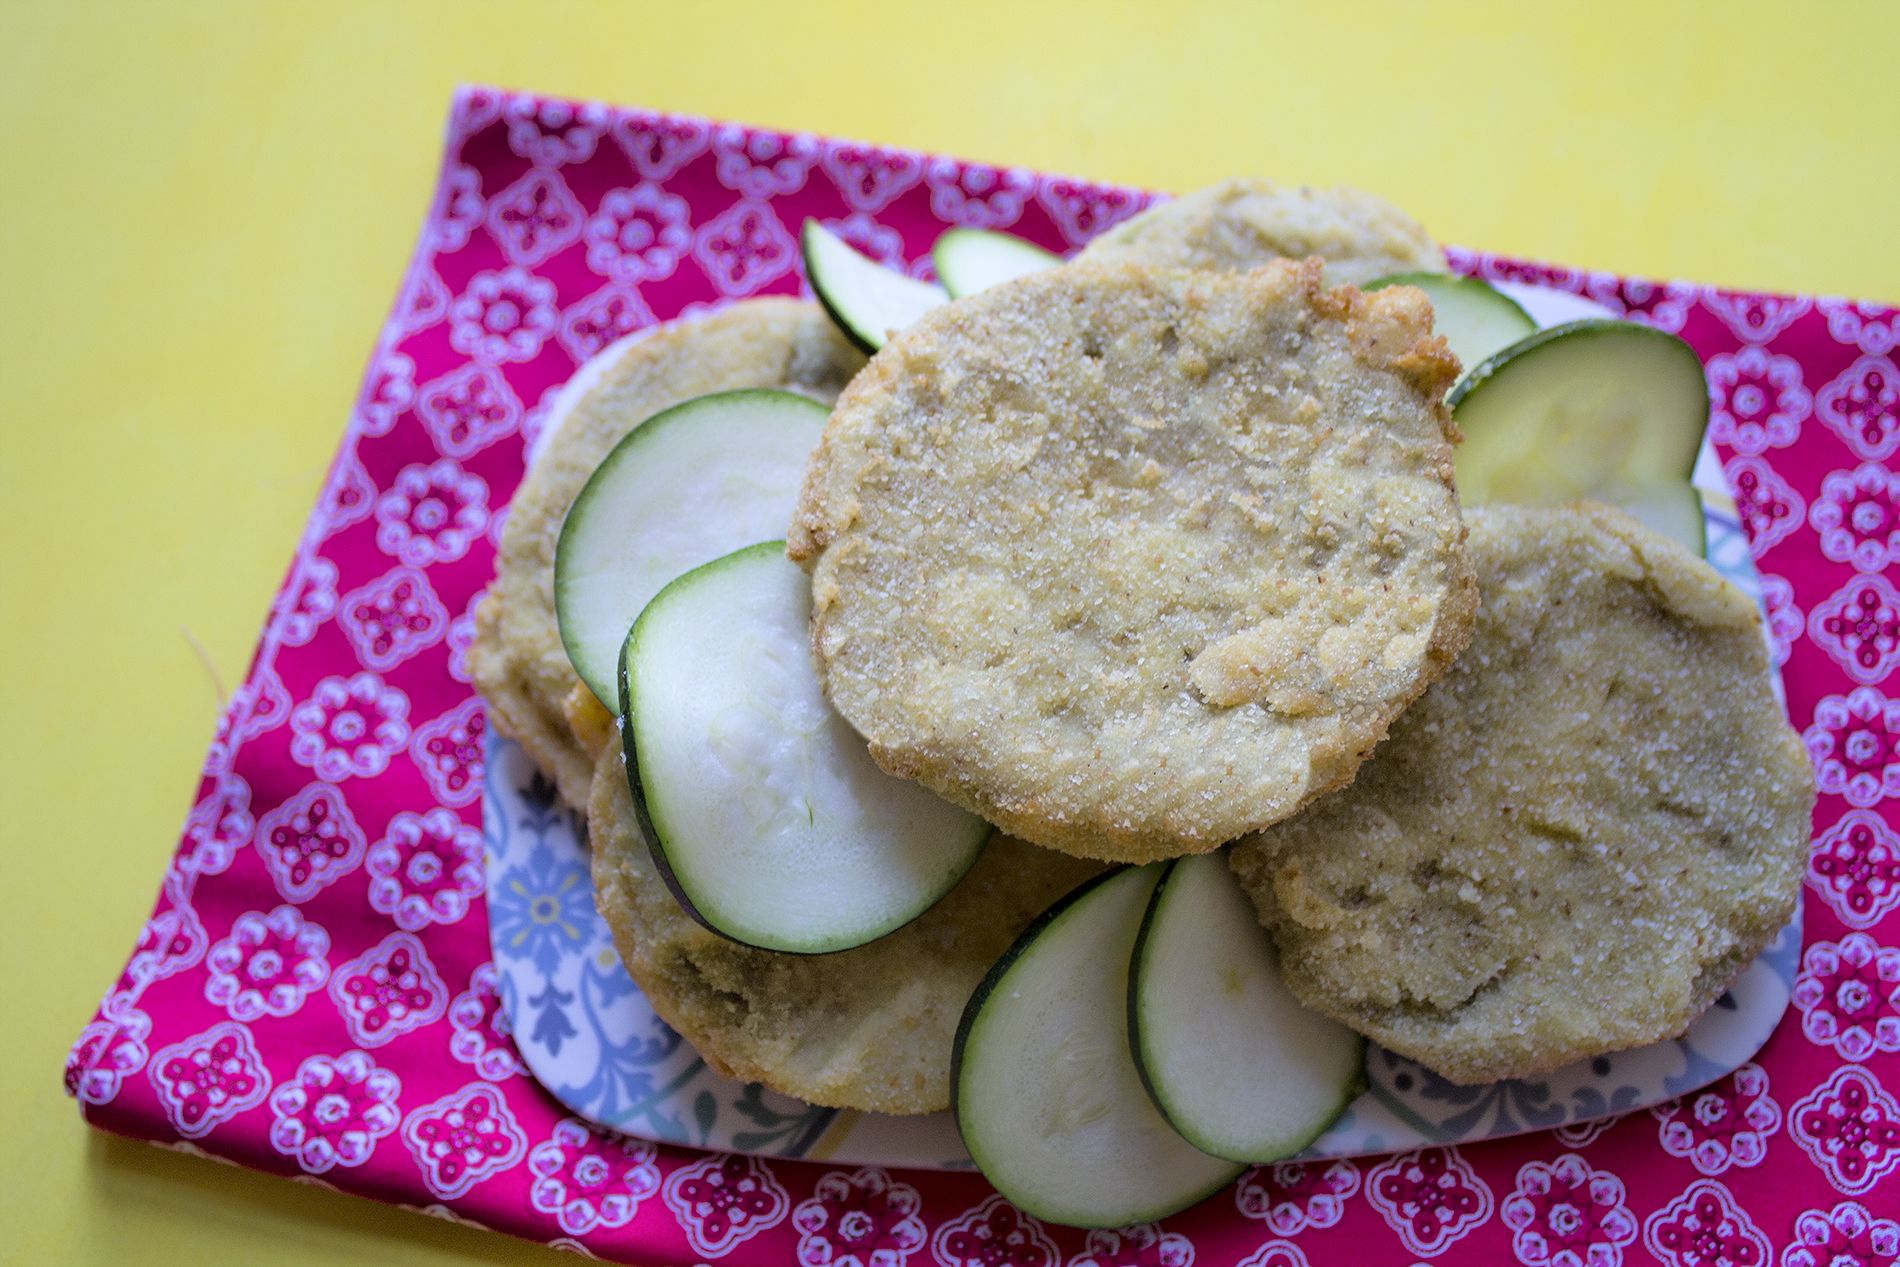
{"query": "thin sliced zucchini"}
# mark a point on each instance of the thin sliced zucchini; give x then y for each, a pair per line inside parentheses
(762, 807)
(969, 260)
(868, 301)
(1673, 508)
(1475, 318)
(1232, 1060)
(686, 486)
(1590, 409)
(1046, 1093)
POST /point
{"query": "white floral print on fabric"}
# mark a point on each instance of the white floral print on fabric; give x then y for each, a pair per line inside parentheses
(392, 618)
(1758, 400)
(868, 177)
(389, 990)
(977, 196)
(1850, 1127)
(1859, 628)
(721, 1200)
(268, 965)
(535, 217)
(1703, 1227)
(1431, 1198)
(1290, 1197)
(504, 315)
(1848, 993)
(467, 410)
(432, 513)
(426, 870)
(762, 164)
(638, 235)
(549, 132)
(1855, 866)
(1728, 1123)
(334, 1110)
(349, 726)
(861, 1218)
(483, 1032)
(463, 1139)
(1568, 1214)
(993, 1232)
(209, 1079)
(1862, 405)
(1858, 517)
(1855, 745)
(309, 842)
(588, 1180)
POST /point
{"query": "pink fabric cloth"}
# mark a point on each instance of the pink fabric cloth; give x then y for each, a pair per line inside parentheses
(310, 993)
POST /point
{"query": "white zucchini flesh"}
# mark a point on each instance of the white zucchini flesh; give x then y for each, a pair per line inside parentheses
(868, 301)
(762, 806)
(969, 260)
(1476, 319)
(686, 486)
(1589, 409)
(1232, 1059)
(1047, 1096)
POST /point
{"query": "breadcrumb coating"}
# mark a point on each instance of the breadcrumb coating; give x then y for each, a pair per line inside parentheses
(1134, 560)
(1577, 839)
(1241, 224)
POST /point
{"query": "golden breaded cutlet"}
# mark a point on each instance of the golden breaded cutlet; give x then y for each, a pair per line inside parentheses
(1240, 224)
(1577, 839)
(1131, 560)
(518, 661)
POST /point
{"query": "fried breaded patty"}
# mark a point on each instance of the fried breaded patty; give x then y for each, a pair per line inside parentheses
(1131, 561)
(1241, 224)
(1575, 841)
(518, 662)
(868, 1028)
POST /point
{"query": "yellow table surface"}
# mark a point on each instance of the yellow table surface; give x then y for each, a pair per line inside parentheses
(207, 208)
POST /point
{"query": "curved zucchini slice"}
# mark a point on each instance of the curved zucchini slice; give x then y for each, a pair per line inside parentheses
(1232, 1060)
(969, 260)
(1589, 409)
(1046, 1092)
(686, 486)
(762, 807)
(868, 301)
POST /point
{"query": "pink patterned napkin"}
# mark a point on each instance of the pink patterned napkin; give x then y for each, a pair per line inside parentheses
(313, 993)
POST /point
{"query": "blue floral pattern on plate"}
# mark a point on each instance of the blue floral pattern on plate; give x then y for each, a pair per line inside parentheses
(595, 1043)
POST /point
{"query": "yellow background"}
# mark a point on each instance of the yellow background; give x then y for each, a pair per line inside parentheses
(207, 207)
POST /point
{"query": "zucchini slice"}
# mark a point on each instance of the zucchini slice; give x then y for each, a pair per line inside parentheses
(1589, 409)
(969, 260)
(686, 486)
(1232, 1060)
(868, 301)
(762, 807)
(1046, 1092)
